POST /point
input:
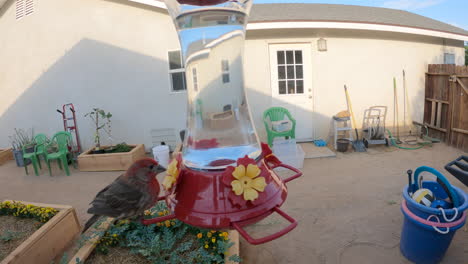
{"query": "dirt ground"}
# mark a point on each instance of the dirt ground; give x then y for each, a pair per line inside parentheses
(348, 207)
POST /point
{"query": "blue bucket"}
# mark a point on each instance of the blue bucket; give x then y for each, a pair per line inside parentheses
(425, 211)
(421, 243)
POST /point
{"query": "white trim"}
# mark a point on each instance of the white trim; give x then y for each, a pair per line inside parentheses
(340, 25)
(154, 3)
(350, 25)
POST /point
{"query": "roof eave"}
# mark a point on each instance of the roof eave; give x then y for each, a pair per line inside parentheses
(262, 25)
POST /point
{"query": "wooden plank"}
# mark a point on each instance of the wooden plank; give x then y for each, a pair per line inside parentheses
(6, 155)
(433, 113)
(48, 241)
(88, 247)
(439, 115)
(234, 250)
(110, 161)
(459, 130)
(437, 101)
(436, 128)
(438, 74)
(463, 86)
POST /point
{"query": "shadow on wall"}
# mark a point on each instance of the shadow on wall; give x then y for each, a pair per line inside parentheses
(132, 86)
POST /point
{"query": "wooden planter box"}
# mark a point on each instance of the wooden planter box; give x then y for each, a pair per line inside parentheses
(89, 245)
(48, 241)
(111, 161)
(5, 155)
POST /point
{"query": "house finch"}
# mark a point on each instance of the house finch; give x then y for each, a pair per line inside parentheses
(130, 194)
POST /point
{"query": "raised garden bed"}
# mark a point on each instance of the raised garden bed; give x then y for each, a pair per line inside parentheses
(5, 155)
(110, 161)
(131, 242)
(50, 240)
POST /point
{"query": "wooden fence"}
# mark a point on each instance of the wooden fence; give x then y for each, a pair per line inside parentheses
(446, 104)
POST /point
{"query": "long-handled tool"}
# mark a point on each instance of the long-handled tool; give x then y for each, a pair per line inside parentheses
(358, 145)
(396, 123)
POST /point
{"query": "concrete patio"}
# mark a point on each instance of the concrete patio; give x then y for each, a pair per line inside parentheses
(347, 207)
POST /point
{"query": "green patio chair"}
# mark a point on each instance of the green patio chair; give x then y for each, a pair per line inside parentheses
(277, 114)
(40, 140)
(60, 141)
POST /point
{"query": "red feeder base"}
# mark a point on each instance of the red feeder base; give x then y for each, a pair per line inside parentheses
(202, 199)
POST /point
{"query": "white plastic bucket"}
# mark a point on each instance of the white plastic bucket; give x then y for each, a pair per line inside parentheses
(161, 154)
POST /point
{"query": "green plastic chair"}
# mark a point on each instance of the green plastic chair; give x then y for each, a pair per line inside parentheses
(40, 140)
(277, 114)
(61, 140)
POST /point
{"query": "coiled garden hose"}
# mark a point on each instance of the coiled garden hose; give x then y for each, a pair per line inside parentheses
(393, 142)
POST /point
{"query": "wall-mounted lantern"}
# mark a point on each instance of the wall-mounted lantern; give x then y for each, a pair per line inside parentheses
(322, 44)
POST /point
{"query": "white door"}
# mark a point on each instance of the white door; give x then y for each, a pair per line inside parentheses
(291, 84)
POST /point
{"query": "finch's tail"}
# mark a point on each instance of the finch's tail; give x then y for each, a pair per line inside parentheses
(90, 222)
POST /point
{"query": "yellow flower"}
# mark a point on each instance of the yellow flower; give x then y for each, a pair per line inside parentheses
(206, 246)
(208, 235)
(213, 240)
(225, 234)
(160, 213)
(172, 174)
(147, 212)
(114, 235)
(213, 231)
(199, 235)
(248, 183)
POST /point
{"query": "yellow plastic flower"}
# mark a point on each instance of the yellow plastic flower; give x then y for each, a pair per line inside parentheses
(213, 240)
(199, 235)
(248, 183)
(206, 246)
(208, 235)
(172, 174)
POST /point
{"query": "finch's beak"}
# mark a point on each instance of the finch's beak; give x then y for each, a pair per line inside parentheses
(159, 169)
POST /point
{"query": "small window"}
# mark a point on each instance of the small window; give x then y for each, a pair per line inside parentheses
(195, 79)
(176, 71)
(225, 70)
(449, 58)
(24, 8)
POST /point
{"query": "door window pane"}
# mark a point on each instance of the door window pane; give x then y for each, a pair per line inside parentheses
(281, 72)
(282, 87)
(289, 57)
(298, 56)
(291, 72)
(300, 86)
(280, 57)
(299, 72)
(291, 87)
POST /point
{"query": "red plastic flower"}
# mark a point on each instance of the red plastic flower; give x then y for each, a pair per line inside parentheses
(247, 181)
(268, 155)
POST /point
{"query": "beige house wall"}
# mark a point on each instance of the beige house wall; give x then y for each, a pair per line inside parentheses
(366, 61)
(112, 54)
(93, 53)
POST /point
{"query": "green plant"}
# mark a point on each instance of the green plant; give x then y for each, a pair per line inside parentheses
(8, 236)
(171, 241)
(101, 120)
(22, 138)
(122, 147)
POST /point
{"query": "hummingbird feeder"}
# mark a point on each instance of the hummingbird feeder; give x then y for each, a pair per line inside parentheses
(224, 177)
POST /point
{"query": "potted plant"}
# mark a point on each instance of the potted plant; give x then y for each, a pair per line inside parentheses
(22, 138)
(107, 158)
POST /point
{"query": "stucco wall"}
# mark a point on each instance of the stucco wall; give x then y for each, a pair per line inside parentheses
(113, 55)
(93, 53)
(366, 61)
